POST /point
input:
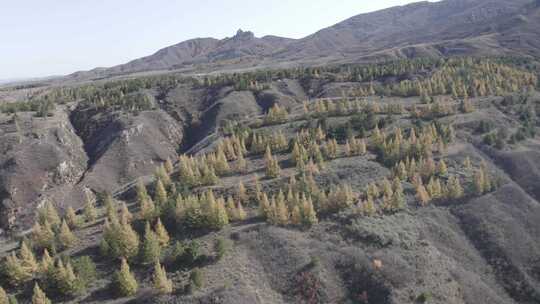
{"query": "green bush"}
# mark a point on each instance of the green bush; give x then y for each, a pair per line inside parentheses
(222, 246)
(196, 279)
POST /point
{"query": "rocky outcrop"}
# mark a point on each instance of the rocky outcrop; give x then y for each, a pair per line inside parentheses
(42, 159)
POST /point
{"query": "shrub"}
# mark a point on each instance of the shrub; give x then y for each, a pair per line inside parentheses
(222, 246)
(196, 278)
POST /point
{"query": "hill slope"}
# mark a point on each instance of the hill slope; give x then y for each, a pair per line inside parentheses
(450, 27)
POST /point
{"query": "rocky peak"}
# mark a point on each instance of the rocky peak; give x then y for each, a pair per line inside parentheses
(241, 35)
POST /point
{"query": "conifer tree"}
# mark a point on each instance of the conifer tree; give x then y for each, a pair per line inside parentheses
(241, 213)
(282, 212)
(151, 248)
(264, 206)
(368, 208)
(443, 170)
(208, 177)
(66, 238)
(89, 212)
(161, 174)
(296, 216)
(479, 182)
(3, 296)
(272, 165)
(42, 235)
(161, 283)
(39, 297)
(220, 218)
(110, 207)
(46, 262)
(455, 190)
(160, 196)
(125, 281)
(71, 218)
(241, 164)
(231, 209)
(142, 194)
(467, 163)
(125, 214)
(48, 213)
(27, 259)
(161, 232)
(123, 241)
(241, 192)
(422, 195)
(309, 215)
(14, 272)
(169, 168)
(148, 209)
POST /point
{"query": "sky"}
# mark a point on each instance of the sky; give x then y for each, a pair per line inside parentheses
(56, 37)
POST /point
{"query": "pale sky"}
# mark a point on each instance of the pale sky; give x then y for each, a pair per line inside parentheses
(57, 37)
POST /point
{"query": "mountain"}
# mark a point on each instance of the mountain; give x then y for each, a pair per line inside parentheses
(445, 28)
(244, 46)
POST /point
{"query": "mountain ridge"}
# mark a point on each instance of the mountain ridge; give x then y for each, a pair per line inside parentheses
(430, 29)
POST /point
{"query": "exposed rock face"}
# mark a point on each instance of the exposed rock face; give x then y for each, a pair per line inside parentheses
(41, 159)
(122, 147)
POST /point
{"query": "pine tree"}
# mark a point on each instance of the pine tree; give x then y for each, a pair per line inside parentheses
(479, 182)
(151, 249)
(232, 213)
(241, 192)
(161, 283)
(148, 209)
(455, 190)
(398, 199)
(142, 194)
(125, 214)
(160, 196)
(161, 232)
(220, 216)
(309, 215)
(272, 165)
(161, 174)
(128, 242)
(125, 281)
(296, 216)
(169, 168)
(422, 195)
(27, 259)
(42, 235)
(264, 206)
(3, 296)
(66, 238)
(46, 262)
(110, 208)
(14, 272)
(241, 213)
(443, 170)
(368, 208)
(467, 163)
(90, 212)
(282, 212)
(49, 213)
(39, 296)
(241, 164)
(72, 218)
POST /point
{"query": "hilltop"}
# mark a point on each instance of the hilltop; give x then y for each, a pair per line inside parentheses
(423, 29)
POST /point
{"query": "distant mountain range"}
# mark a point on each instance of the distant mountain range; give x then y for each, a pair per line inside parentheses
(445, 28)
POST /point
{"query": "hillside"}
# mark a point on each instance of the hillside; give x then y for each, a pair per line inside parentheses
(423, 29)
(412, 181)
